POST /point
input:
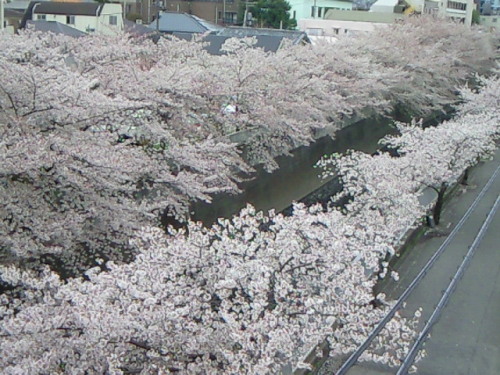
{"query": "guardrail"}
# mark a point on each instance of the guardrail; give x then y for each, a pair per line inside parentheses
(412, 353)
(355, 356)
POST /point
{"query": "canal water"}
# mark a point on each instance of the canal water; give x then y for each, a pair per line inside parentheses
(296, 177)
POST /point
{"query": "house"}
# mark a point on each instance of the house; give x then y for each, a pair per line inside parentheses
(11, 20)
(458, 10)
(269, 40)
(98, 18)
(491, 23)
(173, 22)
(220, 12)
(313, 9)
(384, 6)
(382, 13)
(294, 36)
(54, 28)
(338, 22)
(135, 29)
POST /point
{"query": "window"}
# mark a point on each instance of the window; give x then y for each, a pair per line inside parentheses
(456, 5)
(70, 20)
(314, 32)
(294, 15)
(41, 17)
(493, 20)
(230, 18)
(319, 11)
(113, 20)
(313, 11)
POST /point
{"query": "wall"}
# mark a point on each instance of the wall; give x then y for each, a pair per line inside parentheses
(491, 23)
(82, 23)
(339, 22)
(302, 9)
(103, 24)
(211, 11)
(87, 24)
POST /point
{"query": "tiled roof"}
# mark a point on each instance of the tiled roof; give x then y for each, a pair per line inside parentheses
(171, 22)
(54, 27)
(242, 32)
(214, 42)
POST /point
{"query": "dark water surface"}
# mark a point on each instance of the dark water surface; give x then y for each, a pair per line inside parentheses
(296, 177)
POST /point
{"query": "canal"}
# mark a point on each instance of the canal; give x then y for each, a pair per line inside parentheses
(296, 177)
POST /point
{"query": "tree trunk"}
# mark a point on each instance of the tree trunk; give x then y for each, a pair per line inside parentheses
(465, 178)
(439, 203)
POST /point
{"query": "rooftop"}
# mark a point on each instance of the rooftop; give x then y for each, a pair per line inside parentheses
(170, 22)
(54, 27)
(53, 7)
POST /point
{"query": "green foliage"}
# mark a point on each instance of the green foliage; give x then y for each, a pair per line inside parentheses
(475, 17)
(272, 14)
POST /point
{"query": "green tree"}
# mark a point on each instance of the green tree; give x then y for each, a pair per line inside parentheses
(475, 17)
(273, 14)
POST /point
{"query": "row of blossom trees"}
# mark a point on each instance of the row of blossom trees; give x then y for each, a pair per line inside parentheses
(428, 157)
(100, 136)
(252, 293)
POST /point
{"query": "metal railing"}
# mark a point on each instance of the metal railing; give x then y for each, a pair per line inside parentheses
(353, 358)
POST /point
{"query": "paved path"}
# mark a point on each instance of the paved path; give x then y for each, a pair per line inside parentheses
(466, 338)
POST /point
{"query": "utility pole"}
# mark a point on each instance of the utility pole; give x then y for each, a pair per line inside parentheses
(224, 13)
(157, 3)
(245, 14)
(1, 15)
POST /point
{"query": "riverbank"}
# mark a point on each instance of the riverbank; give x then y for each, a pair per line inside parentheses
(466, 330)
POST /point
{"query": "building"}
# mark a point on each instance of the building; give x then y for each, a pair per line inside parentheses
(54, 28)
(491, 23)
(98, 18)
(265, 39)
(316, 9)
(221, 12)
(173, 22)
(489, 7)
(11, 20)
(458, 10)
(338, 22)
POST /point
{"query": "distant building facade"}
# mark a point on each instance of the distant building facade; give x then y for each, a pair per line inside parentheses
(221, 12)
(490, 22)
(458, 10)
(98, 18)
(337, 22)
(12, 19)
(316, 9)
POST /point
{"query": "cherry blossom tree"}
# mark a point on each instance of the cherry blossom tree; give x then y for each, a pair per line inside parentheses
(426, 60)
(96, 162)
(104, 134)
(248, 295)
(434, 157)
(245, 296)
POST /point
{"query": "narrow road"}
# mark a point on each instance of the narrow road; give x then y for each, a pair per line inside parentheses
(466, 338)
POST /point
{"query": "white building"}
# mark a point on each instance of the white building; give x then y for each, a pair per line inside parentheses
(384, 6)
(338, 22)
(458, 10)
(312, 9)
(104, 18)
